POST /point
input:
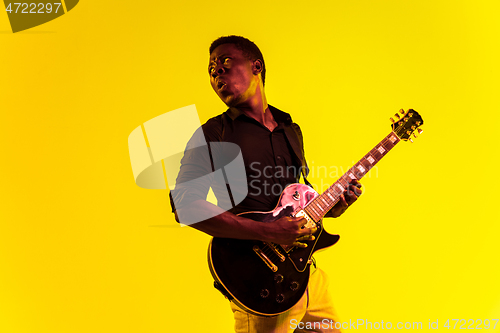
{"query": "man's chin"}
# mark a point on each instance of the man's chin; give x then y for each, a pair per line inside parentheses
(230, 101)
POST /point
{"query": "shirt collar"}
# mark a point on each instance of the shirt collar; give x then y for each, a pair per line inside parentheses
(278, 115)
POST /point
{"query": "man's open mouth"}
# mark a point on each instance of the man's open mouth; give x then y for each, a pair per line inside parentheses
(220, 85)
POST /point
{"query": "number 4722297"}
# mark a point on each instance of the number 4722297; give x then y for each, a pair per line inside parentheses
(471, 323)
(33, 8)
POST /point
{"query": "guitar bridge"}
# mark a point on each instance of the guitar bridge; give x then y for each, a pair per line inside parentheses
(264, 258)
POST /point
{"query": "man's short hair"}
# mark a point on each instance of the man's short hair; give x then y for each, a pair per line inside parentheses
(249, 49)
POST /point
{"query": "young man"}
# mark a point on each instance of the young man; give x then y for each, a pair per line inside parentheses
(273, 156)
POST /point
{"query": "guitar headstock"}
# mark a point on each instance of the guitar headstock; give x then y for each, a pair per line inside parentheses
(406, 123)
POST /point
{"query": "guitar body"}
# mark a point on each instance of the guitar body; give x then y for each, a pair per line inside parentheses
(264, 278)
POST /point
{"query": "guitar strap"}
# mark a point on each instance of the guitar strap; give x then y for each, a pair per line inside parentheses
(294, 137)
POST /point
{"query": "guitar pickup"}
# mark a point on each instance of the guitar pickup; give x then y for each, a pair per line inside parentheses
(310, 222)
(264, 258)
(276, 251)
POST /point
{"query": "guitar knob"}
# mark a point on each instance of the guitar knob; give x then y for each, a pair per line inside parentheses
(280, 298)
(294, 285)
(278, 278)
(264, 293)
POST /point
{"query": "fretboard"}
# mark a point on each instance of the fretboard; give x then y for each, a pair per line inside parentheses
(318, 207)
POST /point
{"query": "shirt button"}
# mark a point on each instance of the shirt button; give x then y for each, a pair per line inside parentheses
(278, 157)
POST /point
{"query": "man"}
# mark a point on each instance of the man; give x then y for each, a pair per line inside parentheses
(272, 150)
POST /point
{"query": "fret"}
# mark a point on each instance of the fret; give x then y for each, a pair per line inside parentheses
(387, 145)
(381, 150)
(392, 138)
(344, 180)
(328, 193)
(377, 154)
(366, 164)
(334, 193)
(316, 216)
(319, 204)
(326, 198)
(309, 212)
(371, 159)
(359, 170)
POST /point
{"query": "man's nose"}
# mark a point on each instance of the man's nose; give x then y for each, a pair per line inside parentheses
(218, 71)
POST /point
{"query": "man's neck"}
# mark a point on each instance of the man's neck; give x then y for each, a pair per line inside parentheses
(258, 109)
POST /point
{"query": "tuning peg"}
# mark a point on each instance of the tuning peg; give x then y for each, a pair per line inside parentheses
(392, 119)
(414, 135)
(420, 131)
(397, 116)
(410, 140)
(402, 111)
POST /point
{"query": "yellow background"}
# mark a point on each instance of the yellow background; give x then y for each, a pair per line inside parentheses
(83, 249)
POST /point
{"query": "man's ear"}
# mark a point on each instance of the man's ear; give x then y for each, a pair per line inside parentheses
(257, 67)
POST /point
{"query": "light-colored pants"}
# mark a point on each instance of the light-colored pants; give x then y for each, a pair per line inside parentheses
(313, 313)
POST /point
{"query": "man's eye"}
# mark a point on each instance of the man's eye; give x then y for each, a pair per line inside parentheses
(226, 60)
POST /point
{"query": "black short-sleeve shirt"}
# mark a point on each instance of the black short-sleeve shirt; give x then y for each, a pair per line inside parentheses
(271, 160)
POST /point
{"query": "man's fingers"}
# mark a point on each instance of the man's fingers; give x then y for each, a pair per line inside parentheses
(303, 222)
(353, 192)
(355, 182)
(343, 201)
(354, 188)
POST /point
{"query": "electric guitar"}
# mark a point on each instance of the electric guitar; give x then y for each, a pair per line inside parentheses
(268, 279)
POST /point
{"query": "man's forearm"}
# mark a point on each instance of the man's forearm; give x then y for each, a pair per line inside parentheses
(221, 223)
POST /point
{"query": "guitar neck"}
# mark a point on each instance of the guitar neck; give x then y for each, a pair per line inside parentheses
(318, 207)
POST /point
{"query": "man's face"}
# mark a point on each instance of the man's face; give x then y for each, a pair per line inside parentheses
(233, 77)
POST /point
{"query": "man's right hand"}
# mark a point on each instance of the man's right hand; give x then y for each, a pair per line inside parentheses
(290, 231)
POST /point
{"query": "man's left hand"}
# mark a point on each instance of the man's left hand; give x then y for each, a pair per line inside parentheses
(346, 199)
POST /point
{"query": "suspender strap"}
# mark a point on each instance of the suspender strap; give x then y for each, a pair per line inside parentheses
(294, 137)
